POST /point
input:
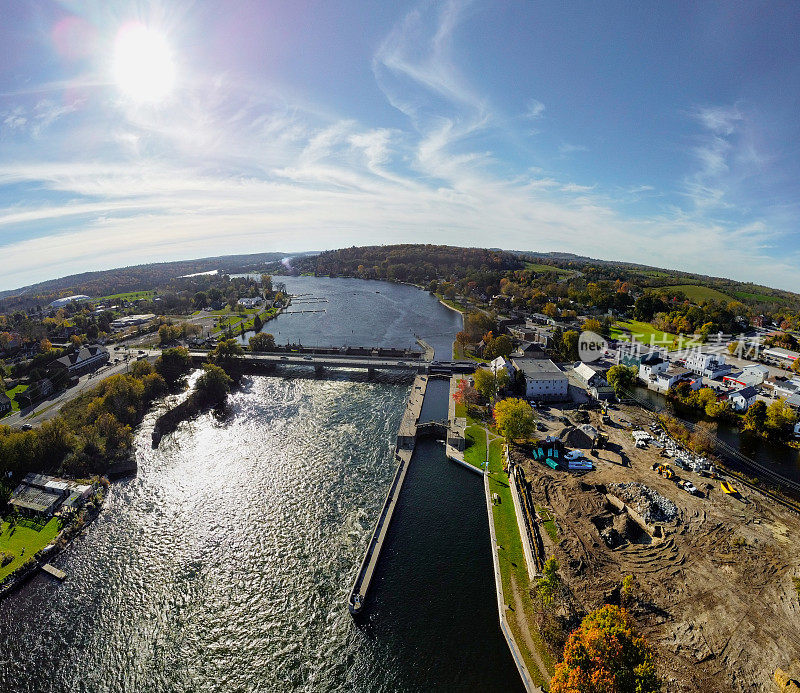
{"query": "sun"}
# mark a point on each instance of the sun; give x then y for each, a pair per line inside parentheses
(143, 66)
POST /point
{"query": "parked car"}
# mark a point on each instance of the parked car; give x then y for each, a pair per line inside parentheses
(26, 427)
(689, 487)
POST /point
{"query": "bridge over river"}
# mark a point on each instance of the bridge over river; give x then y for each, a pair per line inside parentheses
(412, 361)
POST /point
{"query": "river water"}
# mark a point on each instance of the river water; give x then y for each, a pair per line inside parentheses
(783, 459)
(358, 312)
(225, 564)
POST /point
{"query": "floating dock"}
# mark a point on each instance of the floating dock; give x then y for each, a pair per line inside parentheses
(55, 572)
(404, 449)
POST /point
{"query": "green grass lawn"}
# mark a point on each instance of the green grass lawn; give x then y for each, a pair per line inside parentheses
(548, 523)
(698, 293)
(761, 298)
(128, 296)
(452, 304)
(27, 535)
(475, 452)
(512, 562)
(645, 333)
(15, 391)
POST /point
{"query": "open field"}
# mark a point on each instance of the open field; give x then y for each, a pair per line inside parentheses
(714, 593)
(28, 536)
(697, 293)
(762, 298)
(643, 332)
(128, 296)
(540, 267)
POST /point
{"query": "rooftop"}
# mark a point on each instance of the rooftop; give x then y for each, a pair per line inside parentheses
(538, 369)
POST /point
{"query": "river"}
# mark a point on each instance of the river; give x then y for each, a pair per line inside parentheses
(359, 312)
(225, 564)
(782, 459)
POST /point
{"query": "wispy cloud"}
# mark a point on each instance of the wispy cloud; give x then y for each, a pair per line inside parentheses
(233, 167)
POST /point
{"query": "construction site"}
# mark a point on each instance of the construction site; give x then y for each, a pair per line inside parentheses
(715, 564)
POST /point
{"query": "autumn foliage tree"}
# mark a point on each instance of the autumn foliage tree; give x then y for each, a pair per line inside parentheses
(514, 418)
(606, 655)
(466, 394)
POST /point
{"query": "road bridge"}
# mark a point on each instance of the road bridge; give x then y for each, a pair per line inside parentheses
(269, 360)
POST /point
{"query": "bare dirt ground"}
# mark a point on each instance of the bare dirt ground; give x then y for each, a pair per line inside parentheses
(715, 595)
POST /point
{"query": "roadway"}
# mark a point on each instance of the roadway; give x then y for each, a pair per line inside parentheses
(50, 406)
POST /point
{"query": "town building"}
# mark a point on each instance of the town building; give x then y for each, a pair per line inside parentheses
(544, 381)
(5, 404)
(61, 302)
(739, 379)
(132, 321)
(708, 364)
(249, 302)
(589, 375)
(742, 399)
(635, 354)
(784, 355)
(85, 360)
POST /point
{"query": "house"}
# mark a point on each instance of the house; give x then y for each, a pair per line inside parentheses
(589, 375)
(635, 354)
(708, 364)
(499, 364)
(41, 495)
(651, 366)
(544, 381)
(673, 375)
(250, 302)
(742, 399)
(602, 393)
(5, 404)
(533, 350)
(85, 360)
(781, 387)
(757, 369)
(794, 402)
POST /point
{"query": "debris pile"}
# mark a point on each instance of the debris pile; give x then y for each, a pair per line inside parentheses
(650, 504)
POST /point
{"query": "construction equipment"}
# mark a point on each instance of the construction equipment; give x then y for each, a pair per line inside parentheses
(666, 471)
(727, 488)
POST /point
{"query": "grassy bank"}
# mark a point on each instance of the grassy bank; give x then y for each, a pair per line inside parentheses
(24, 540)
(514, 572)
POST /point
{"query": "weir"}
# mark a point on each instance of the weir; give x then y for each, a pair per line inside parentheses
(404, 450)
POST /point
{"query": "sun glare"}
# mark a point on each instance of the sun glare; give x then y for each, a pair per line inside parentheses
(143, 65)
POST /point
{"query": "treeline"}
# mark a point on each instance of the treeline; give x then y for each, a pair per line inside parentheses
(134, 278)
(416, 263)
(94, 430)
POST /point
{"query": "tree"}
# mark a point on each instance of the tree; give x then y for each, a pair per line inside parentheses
(497, 346)
(514, 419)
(621, 377)
(593, 325)
(466, 394)
(263, 341)
(213, 386)
(780, 417)
(755, 417)
(569, 345)
(489, 383)
(462, 339)
(606, 655)
(200, 300)
(174, 364)
(226, 351)
(549, 585)
(257, 323)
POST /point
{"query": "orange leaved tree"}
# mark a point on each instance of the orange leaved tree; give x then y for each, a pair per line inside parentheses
(606, 655)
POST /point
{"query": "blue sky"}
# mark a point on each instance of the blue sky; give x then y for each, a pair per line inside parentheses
(661, 133)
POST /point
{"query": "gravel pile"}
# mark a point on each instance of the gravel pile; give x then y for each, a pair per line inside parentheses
(650, 504)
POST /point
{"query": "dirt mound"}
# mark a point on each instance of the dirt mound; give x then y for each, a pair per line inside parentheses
(577, 437)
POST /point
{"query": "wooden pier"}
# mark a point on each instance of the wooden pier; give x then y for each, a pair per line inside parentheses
(55, 572)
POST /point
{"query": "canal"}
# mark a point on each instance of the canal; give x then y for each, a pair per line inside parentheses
(226, 562)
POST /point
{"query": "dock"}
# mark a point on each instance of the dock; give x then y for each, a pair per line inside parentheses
(404, 450)
(55, 572)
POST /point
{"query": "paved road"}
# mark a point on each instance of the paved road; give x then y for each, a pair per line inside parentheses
(48, 408)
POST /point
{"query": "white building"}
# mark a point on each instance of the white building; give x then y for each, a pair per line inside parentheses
(250, 302)
(781, 354)
(61, 302)
(132, 321)
(589, 375)
(742, 399)
(708, 364)
(544, 381)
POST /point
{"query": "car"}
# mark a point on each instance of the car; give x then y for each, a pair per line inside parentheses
(689, 487)
(284, 358)
(26, 427)
(307, 358)
(141, 351)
